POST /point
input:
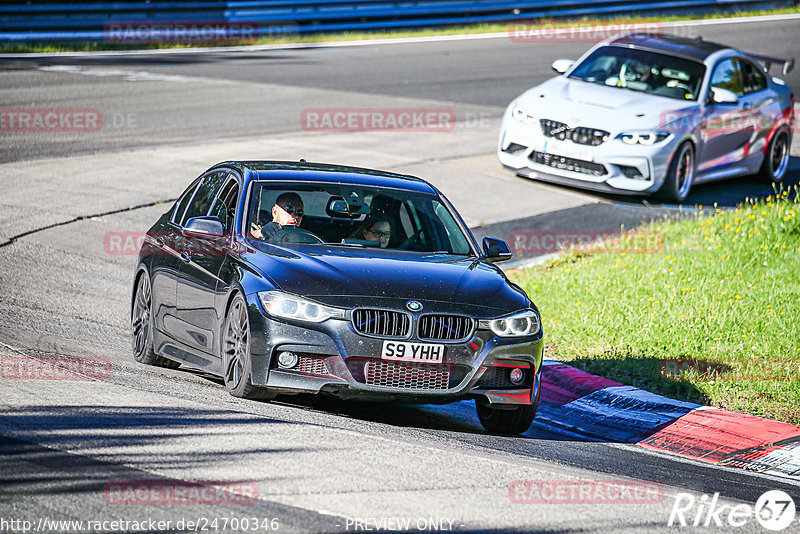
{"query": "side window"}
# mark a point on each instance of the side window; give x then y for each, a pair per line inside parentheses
(203, 196)
(183, 201)
(753, 78)
(727, 76)
(224, 207)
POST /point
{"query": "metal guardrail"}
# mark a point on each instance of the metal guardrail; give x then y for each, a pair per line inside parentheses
(96, 21)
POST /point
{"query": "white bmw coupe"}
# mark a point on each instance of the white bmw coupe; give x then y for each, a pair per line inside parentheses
(643, 114)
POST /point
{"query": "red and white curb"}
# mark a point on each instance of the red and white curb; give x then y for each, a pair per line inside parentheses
(607, 410)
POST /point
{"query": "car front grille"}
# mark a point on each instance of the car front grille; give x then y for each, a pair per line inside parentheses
(580, 135)
(568, 164)
(312, 366)
(382, 323)
(402, 375)
(440, 327)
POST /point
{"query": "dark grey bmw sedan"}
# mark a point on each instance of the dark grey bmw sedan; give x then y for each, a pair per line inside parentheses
(292, 277)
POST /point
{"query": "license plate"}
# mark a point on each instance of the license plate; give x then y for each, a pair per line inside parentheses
(567, 150)
(412, 352)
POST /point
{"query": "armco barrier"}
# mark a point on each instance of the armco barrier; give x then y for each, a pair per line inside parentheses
(89, 21)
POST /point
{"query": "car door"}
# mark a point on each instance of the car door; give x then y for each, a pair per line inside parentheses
(165, 268)
(725, 130)
(763, 110)
(202, 260)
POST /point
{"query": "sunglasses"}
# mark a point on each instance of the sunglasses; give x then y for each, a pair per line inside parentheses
(291, 210)
(380, 235)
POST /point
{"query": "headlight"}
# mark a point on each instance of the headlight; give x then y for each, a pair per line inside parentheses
(521, 115)
(642, 138)
(519, 324)
(287, 306)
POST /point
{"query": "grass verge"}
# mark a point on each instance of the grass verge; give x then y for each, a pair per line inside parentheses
(709, 315)
(544, 23)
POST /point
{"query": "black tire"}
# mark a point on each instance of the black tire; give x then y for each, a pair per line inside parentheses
(680, 174)
(236, 361)
(776, 158)
(142, 327)
(506, 422)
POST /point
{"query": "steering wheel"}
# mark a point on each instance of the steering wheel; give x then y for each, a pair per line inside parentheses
(293, 234)
(414, 242)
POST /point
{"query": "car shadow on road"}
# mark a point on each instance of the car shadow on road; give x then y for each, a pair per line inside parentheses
(458, 417)
(724, 193)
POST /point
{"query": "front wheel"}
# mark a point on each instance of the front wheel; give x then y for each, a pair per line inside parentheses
(236, 352)
(506, 422)
(776, 158)
(680, 174)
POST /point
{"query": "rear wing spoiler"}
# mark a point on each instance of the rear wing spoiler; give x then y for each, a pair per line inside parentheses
(787, 64)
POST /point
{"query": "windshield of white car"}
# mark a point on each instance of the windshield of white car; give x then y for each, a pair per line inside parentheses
(643, 71)
(354, 216)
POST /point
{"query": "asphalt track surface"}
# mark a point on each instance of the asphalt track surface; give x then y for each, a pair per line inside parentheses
(319, 465)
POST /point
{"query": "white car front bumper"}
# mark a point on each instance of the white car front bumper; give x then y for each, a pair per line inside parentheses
(613, 166)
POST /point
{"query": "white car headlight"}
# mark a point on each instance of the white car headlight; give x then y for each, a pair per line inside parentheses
(521, 115)
(519, 324)
(643, 138)
(279, 304)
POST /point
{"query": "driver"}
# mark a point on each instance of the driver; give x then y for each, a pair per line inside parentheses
(287, 211)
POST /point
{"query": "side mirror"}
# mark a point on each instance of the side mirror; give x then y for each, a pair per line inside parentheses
(496, 249)
(723, 96)
(204, 227)
(562, 65)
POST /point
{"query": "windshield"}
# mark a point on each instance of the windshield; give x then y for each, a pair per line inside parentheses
(640, 70)
(353, 216)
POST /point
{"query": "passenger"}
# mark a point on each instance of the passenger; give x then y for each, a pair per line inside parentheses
(376, 227)
(287, 211)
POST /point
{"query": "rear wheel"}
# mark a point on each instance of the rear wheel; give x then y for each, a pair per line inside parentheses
(680, 174)
(776, 158)
(236, 353)
(142, 327)
(504, 421)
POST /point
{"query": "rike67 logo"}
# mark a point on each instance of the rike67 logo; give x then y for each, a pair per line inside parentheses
(774, 510)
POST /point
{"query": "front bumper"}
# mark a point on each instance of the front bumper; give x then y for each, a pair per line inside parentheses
(336, 360)
(608, 167)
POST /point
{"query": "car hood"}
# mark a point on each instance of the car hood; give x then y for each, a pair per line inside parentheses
(349, 276)
(579, 103)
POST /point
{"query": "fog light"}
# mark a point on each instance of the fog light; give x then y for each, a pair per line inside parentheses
(287, 360)
(516, 376)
